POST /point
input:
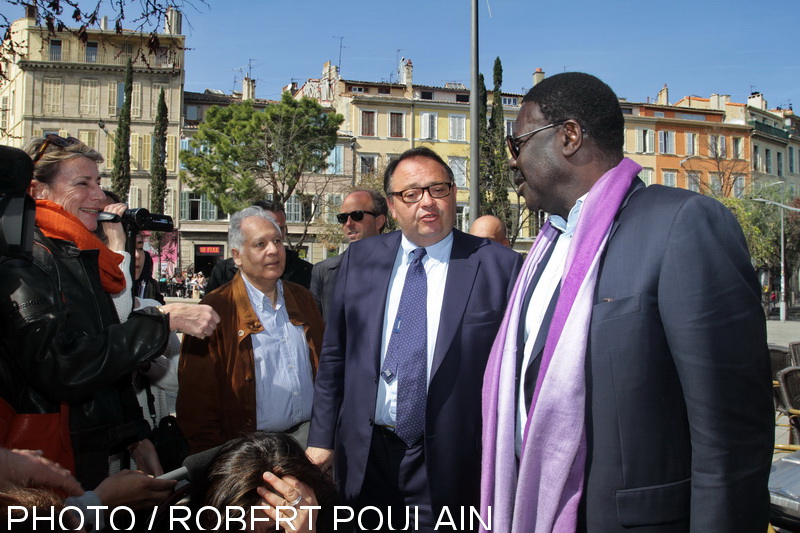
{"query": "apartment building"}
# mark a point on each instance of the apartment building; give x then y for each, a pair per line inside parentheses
(58, 84)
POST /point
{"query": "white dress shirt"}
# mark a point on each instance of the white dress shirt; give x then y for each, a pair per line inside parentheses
(284, 387)
(436, 263)
(540, 300)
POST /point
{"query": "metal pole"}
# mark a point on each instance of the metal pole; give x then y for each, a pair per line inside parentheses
(783, 274)
(474, 145)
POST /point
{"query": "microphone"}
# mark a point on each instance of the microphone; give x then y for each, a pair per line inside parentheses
(194, 467)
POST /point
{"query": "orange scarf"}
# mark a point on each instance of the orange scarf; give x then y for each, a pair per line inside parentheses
(56, 223)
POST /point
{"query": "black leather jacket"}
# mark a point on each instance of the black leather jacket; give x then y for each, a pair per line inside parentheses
(61, 340)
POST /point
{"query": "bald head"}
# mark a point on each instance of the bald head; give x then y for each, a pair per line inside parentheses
(490, 227)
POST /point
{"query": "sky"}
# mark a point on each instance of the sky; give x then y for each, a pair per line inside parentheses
(696, 47)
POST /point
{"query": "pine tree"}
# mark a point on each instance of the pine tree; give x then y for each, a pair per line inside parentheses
(121, 173)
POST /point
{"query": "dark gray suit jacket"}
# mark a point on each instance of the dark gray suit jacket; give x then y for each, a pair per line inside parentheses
(480, 277)
(323, 281)
(679, 416)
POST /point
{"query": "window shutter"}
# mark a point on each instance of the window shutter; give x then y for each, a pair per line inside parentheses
(723, 147)
(110, 151)
(639, 140)
(136, 152)
(172, 152)
(136, 100)
(134, 197)
(147, 154)
(425, 126)
(112, 99)
(208, 211)
(434, 131)
(651, 141)
(185, 205)
(169, 202)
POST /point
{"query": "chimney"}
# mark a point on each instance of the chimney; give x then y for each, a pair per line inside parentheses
(406, 72)
(30, 11)
(173, 21)
(663, 96)
(248, 88)
(104, 23)
(538, 76)
(756, 100)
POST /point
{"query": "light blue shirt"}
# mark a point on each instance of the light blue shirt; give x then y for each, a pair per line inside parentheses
(540, 300)
(284, 386)
(436, 263)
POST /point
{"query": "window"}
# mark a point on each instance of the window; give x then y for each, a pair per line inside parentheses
(384, 90)
(462, 217)
(336, 160)
(459, 167)
(768, 160)
(89, 138)
(196, 206)
(192, 112)
(88, 98)
(428, 126)
(368, 123)
(91, 52)
(645, 141)
(737, 145)
(738, 186)
(717, 147)
(357, 90)
(333, 207)
(510, 101)
(463, 98)
(55, 50)
(756, 158)
(647, 176)
(136, 100)
(300, 208)
(791, 159)
(458, 127)
(51, 96)
(693, 181)
(658, 114)
(4, 115)
(690, 116)
(396, 125)
(368, 164)
(669, 178)
(426, 95)
(510, 126)
(691, 143)
(666, 142)
(135, 152)
(779, 155)
(716, 184)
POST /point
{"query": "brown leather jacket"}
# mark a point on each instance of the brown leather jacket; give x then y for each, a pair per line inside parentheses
(217, 393)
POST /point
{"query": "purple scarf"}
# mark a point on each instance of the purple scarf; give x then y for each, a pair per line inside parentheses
(543, 496)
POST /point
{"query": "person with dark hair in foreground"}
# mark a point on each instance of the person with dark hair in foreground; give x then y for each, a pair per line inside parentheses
(629, 387)
(268, 469)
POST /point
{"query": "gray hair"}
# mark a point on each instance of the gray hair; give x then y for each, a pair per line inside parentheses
(235, 236)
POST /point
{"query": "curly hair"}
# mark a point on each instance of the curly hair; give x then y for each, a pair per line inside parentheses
(585, 99)
(236, 471)
(46, 167)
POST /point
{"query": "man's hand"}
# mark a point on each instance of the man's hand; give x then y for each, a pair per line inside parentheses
(196, 320)
(322, 457)
(134, 489)
(28, 468)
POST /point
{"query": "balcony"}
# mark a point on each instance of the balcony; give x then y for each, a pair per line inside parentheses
(90, 56)
(769, 130)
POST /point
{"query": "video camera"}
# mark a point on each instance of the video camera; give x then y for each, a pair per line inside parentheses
(17, 208)
(139, 219)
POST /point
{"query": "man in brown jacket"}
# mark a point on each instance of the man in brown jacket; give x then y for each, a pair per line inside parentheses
(255, 372)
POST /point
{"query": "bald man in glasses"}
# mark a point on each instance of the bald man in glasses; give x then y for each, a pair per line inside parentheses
(363, 214)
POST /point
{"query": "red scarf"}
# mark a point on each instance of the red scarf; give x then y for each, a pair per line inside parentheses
(56, 223)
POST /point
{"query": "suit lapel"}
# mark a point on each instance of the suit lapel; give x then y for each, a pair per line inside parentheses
(460, 278)
(635, 186)
(380, 262)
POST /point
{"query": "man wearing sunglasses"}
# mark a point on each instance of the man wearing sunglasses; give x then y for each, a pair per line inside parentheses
(363, 214)
(411, 324)
(629, 386)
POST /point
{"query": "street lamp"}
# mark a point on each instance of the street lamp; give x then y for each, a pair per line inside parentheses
(783, 271)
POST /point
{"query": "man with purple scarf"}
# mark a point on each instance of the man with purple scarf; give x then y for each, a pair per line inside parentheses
(629, 385)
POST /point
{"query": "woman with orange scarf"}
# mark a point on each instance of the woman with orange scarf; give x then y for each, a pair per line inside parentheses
(62, 341)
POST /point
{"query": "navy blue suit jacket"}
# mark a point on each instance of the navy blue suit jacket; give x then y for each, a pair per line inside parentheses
(480, 277)
(679, 416)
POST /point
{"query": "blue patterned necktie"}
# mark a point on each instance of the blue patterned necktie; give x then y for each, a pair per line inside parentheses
(407, 354)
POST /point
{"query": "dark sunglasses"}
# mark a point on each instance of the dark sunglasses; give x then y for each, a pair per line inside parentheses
(357, 216)
(54, 140)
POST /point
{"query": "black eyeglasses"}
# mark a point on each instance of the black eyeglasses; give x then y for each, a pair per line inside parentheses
(357, 216)
(514, 143)
(414, 194)
(55, 140)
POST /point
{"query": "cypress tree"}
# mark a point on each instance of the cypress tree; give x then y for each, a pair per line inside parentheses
(158, 161)
(121, 173)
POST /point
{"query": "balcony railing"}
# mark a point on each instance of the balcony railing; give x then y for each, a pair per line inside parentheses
(55, 55)
(769, 130)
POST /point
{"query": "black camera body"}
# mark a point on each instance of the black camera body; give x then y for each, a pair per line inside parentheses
(17, 208)
(142, 219)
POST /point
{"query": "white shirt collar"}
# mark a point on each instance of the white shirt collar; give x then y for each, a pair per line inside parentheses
(258, 299)
(567, 227)
(439, 252)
